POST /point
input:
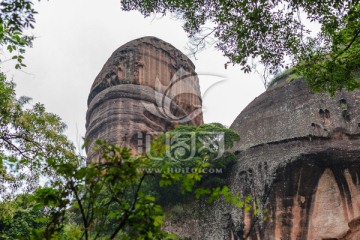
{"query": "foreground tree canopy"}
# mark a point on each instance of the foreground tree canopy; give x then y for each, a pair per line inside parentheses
(15, 17)
(274, 33)
(271, 32)
(31, 140)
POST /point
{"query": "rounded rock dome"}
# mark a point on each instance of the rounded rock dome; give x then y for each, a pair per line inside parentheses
(299, 156)
(290, 110)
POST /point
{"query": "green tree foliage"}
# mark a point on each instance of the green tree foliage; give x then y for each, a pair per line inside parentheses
(15, 17)
(116, 197)
(107, 198)
(18, 218)
(332, 61)
(30, 141)
(272, 32)
(192, 162)
(32, 145)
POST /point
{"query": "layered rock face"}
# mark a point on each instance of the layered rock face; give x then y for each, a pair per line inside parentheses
(299, 156)
(146, 86)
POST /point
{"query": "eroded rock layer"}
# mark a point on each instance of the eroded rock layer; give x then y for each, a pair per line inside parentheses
(146, 86)
(299, 156)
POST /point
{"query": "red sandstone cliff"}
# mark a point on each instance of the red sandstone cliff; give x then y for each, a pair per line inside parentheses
(299, 155)
(146, 86)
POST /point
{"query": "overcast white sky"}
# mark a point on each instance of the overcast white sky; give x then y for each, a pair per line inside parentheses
(75, 39)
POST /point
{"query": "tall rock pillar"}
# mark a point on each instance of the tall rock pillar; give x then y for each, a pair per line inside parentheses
(146, 86)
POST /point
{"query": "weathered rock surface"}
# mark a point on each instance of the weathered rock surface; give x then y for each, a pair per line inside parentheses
(299, 155)
(146, 86)
(354, 230)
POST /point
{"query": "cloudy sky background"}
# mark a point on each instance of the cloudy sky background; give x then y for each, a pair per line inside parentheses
(74, 39)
